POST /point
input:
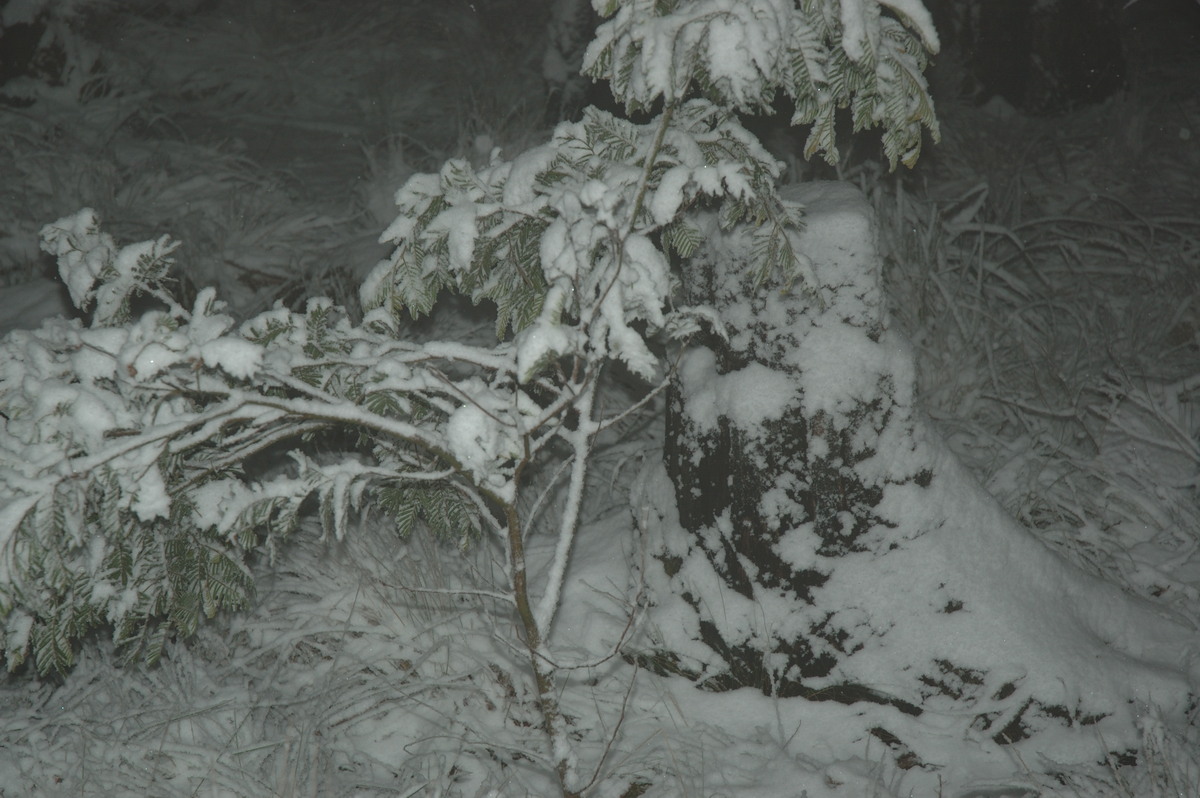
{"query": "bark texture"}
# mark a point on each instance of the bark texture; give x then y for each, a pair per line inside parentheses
(785, 489)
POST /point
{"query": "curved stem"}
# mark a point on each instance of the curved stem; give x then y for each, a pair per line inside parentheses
(543, 674)
(581, 442)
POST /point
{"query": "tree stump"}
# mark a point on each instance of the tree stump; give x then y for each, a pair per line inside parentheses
(813, 538)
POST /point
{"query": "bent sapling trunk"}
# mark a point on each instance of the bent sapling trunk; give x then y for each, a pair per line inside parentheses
(535, 622)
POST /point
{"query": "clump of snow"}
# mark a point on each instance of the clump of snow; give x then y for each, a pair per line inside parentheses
(747, 397)
(148, 361)
(82, 252)
(151, 500)
(916, 15)
(856, 30)
(459, 223)
(87, 256)
(542, 341)
(473, 437)
(668, 197)
(238, 358)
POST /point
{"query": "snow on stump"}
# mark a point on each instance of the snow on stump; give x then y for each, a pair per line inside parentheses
(813, 538)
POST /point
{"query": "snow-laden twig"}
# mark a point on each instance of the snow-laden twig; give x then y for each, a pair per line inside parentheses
(353, 415)
(580, 440)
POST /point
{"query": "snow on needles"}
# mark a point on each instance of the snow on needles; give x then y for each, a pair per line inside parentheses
(744, 41)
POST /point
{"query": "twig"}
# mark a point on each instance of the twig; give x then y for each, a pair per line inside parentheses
(616, 730)
(452, 591)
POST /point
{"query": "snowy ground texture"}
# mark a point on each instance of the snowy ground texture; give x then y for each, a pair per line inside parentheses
(1046, 272)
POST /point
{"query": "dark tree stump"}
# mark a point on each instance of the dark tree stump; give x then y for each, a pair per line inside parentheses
(812, 537)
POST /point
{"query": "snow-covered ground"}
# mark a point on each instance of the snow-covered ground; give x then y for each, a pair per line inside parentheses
(1047, 273)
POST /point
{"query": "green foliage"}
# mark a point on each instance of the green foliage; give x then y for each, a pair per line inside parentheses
(442, 507)
(82, 571)
(142, 464)
(88, 257)
(823, 55)
(547, 237)
(143, 461)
